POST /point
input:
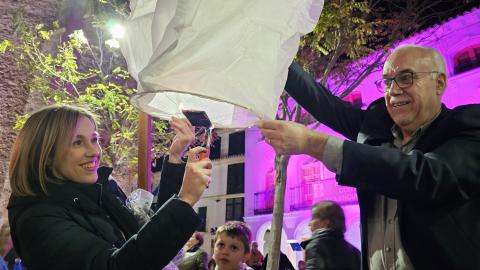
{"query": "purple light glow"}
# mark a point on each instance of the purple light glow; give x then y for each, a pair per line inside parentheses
(449, 39)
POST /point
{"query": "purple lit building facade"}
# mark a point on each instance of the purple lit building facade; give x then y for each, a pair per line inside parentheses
(457, 39)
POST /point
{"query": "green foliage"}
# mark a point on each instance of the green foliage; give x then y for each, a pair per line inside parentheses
(67, 73)
(161, 136)
(5, 45)
(341, 20)
(341, 35)
(20, 120)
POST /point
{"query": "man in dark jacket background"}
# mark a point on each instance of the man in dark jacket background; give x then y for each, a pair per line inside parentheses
(414, 162)
(327, 249)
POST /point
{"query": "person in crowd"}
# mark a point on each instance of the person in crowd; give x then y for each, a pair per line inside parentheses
(232, 246)
(302, 265)
(283, 264)
(212, 264)
(11, 257)
(256, 258)
(413, 161)
(327, 248)
(62, 217)
(194, 257)
(173, 264)
(4, 241)
(3, 264)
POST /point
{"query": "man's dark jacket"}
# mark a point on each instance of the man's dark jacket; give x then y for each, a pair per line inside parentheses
(328, 250)
(437, 184)
(86, 226)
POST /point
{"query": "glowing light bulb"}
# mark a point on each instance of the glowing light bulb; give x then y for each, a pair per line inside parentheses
(117, 31)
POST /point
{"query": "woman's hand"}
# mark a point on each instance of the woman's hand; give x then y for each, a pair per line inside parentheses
(196, 178)
(184, 136)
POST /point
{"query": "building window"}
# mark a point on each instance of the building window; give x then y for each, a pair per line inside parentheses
(236, 143)
(235, 178)
(216, 148)
(234, 209)
(202, 213)
(467, 59)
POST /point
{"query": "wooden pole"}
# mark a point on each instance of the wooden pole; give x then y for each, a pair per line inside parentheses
(144, 151)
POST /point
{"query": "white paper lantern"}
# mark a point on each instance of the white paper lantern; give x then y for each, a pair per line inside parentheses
(229, 58)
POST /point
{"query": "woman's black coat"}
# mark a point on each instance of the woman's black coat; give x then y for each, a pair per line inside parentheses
(79, 226)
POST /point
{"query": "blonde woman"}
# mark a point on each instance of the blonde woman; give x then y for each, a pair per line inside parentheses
(62, 217)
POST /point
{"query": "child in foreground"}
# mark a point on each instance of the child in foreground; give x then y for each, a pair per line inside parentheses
(232, 246)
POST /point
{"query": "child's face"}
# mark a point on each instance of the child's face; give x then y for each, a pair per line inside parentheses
(229, 252)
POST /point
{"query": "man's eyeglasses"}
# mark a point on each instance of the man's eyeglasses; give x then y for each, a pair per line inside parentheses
(403, 80)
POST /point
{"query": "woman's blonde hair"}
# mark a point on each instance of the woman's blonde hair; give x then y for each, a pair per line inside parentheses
(45, 132)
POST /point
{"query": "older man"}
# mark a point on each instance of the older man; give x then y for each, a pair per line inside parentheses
(415, 163)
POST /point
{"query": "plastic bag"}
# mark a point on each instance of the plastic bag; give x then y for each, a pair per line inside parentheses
(140, 202)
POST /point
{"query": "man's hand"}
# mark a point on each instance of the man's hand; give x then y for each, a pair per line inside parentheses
(290, 138)
(184, 136)
(196, 178)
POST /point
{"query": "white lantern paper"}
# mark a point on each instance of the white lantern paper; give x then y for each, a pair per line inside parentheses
(229, 58)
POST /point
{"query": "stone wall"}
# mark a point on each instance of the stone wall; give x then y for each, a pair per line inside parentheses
(14, 97)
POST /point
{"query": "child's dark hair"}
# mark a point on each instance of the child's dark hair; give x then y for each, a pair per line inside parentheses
(237, 229)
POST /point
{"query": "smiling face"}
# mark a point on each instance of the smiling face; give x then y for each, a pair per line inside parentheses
(79, 158)
(415, 105)
(229, 252)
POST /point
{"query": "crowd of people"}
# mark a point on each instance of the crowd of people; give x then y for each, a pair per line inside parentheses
(414, 162)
